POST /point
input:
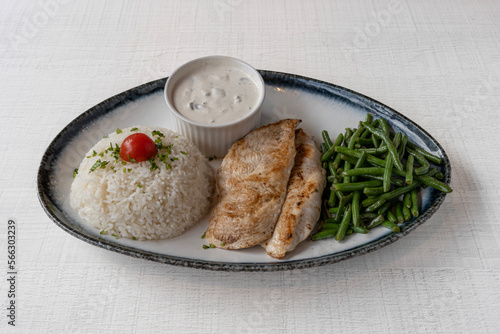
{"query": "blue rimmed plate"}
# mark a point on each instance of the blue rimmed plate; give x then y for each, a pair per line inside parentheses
(320, 105)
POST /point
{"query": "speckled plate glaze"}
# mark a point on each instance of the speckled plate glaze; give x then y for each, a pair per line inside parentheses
(320, 105)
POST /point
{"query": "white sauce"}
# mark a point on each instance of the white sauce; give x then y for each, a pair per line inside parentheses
(215, 94)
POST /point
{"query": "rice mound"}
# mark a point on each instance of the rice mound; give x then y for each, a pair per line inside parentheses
(131, 200)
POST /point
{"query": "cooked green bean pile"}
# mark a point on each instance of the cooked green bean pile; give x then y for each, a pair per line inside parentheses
(374, 176)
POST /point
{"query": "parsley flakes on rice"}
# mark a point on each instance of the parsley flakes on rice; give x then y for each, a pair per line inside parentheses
(155, 199)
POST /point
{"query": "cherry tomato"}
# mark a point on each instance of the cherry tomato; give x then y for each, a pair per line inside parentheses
(138, 147)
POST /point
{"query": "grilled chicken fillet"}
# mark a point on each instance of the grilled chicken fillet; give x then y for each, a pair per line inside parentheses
(251, 185)
(302, 206)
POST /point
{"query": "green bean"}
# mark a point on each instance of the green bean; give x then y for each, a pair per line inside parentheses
(359, 229)
(355, 135)
(338, 140)
(333, 210)
(331, 149)
(337, 160)
(356, 154)
(368, 215)
(394, 180)
(329, 226)
(347, 136)
(369, 201)
(434, 183)
(369, 118)
(351, 160)
(365, 134)
(391, 217)
(387, 174)
(343, 202)
(344, 224)
(406, 213)
(399, 212)
(414, 203)
(355, 208)
(364, 141)
(424, 168)
(427, 155)
(376, 222)
(376, 141)
(384, 208)
(332, 199)
(347, 167)
(407, 199)
(380, 150)
(397, 141)
(356, 185)
(326, 138)
(364, 171)
(359, 163)
(373, 191)
(384, 126)
(391, 226)
(376, 205)
(439, 176)
(409, 170)
(361, 160)
(400, 191)
(332, 169)
(325, 234)
(385, 138)
(324, 148)
(402, 147)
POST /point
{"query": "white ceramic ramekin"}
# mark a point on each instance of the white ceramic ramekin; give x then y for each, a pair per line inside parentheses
(214, 139)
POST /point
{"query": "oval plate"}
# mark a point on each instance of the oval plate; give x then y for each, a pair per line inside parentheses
(320, 105)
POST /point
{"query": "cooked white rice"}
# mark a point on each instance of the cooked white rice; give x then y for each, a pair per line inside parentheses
(132, 201)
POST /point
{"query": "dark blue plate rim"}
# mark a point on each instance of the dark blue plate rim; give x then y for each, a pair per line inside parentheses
(270, 77)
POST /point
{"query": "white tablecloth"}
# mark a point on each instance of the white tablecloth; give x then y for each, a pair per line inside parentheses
(437, 62)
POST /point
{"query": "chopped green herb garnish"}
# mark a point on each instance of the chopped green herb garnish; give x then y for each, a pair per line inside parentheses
(94, 153)
(89, 156)
(183, 152)
(205, 247)
(104, 136)
(75, 172)
(129, 170)
(222, 244)
(124, 169)
(101, 154)
(134, 238)
(118, 131)
(211, 245)
(139, 186)
(174, 158)
(98, 164)
(129, 158)
(102, 232)
(124, 163)
(157, 133)
(114, 235)
(134, 129)
(203, 236)
(153, 164)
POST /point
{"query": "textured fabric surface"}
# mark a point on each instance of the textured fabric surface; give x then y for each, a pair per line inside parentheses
(434, 61)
